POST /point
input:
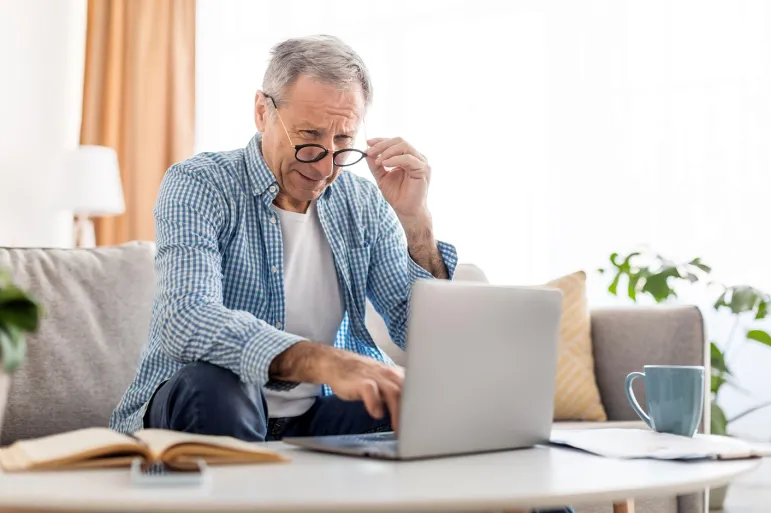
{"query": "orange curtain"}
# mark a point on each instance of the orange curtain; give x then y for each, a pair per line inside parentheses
(138, 97)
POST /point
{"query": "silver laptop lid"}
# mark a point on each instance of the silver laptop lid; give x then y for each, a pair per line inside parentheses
(481, 366)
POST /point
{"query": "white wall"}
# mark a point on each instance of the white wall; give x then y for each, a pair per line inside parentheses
(42, 55)
(558, 131)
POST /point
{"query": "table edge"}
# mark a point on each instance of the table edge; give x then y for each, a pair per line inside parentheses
(414, 506)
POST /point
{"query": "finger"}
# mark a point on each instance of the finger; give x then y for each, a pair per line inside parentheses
(392, 394)
(377, 170)
(375, 140)
(370, 396)
(381, 146)
(396, 374)
(392, 151)
(409, 162)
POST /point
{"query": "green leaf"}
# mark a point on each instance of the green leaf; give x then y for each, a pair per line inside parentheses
(12, 297)
(696, 262)
(10, 293)
(614, 285)
(719, 423)
(762, 311)
(632, 286)
(717, 359)
(24, 317)
(759, 336)
(718, 380)
(657, 284)
(624, 266)
(18, 309)
(13, 348)
(744, 299)
(627, 265)
(720, 301)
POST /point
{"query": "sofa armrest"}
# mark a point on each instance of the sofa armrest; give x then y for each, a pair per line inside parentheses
(626, 339)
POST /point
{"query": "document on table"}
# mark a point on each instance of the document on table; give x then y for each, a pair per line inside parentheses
(645, 443)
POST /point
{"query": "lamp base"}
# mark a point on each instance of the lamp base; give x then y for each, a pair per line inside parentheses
(84, 232)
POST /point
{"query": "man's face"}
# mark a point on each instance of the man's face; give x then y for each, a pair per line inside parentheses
(316, 113)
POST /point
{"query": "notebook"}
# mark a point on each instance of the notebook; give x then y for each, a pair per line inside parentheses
(645, 443)
(102, 447)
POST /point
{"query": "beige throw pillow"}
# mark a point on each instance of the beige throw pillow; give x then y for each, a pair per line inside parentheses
(577, 396)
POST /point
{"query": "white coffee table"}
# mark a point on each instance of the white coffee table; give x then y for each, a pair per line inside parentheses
(315, 483)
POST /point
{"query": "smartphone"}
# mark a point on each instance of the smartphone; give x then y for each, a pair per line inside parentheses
(158, 474)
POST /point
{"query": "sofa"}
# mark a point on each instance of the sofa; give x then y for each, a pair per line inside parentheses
(97, 305)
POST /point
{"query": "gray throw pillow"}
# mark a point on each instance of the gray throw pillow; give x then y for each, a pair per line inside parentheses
(97, 306)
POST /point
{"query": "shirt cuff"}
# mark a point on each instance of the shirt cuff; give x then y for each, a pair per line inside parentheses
(260, 351)
(449, 256)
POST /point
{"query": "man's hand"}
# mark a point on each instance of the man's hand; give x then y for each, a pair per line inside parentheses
(379, 386)
(351, 377)
(405, 186)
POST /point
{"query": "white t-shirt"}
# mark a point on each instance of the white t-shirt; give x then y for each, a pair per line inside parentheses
(314, 304)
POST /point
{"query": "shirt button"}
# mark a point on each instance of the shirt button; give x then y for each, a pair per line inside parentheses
(278, 325)
(274, 269)
(272, 220)
(272, 188)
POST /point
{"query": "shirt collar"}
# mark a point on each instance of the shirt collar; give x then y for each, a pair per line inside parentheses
(260, 175)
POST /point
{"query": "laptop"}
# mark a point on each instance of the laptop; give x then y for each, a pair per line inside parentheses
(480, 372)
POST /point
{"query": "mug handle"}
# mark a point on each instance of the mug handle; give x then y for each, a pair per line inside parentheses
(633, 400)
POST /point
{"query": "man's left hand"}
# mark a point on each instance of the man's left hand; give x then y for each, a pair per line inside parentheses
(405, 186)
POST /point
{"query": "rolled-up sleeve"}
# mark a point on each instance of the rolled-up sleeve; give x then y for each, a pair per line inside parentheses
(194, 324)
(392, 272)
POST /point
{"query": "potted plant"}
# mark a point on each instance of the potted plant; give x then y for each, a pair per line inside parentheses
(19, 315)
(650, 274)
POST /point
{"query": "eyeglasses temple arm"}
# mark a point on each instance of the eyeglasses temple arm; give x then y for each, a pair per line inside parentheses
(281, 120)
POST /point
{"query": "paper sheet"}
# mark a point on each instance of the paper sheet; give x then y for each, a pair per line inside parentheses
(645, 443)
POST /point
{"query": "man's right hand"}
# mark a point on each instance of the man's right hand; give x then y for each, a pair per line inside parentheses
(352, 377)
(357, 378)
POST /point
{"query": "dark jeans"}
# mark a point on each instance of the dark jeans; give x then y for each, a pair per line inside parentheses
(206, 399)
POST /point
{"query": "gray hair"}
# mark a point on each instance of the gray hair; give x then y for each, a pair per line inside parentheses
(324, 58)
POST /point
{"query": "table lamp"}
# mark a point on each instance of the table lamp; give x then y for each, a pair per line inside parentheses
(90, 187)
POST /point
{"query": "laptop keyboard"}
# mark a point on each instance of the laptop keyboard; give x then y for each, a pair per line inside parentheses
(372, 437)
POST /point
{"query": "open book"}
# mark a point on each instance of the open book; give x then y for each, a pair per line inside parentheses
(102, 447)
(645, 443)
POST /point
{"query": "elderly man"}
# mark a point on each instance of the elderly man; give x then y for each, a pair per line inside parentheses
(266, 256)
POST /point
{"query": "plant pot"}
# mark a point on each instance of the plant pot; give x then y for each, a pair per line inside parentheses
(5, 385)
(717, 497)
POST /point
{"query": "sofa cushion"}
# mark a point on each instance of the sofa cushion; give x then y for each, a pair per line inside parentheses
(577, 396)
(96, 317)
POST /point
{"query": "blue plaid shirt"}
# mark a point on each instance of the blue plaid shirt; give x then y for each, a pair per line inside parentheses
(219, 292)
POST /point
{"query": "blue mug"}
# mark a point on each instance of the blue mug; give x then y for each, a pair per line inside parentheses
(674, 395)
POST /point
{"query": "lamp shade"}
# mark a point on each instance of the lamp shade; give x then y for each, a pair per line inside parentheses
(89, 179)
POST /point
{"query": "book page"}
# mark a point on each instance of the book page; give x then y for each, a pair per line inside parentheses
(645, 443)
(161, 441)
(59, 450)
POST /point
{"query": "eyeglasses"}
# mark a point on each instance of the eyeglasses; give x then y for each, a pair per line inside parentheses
(314, 152)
